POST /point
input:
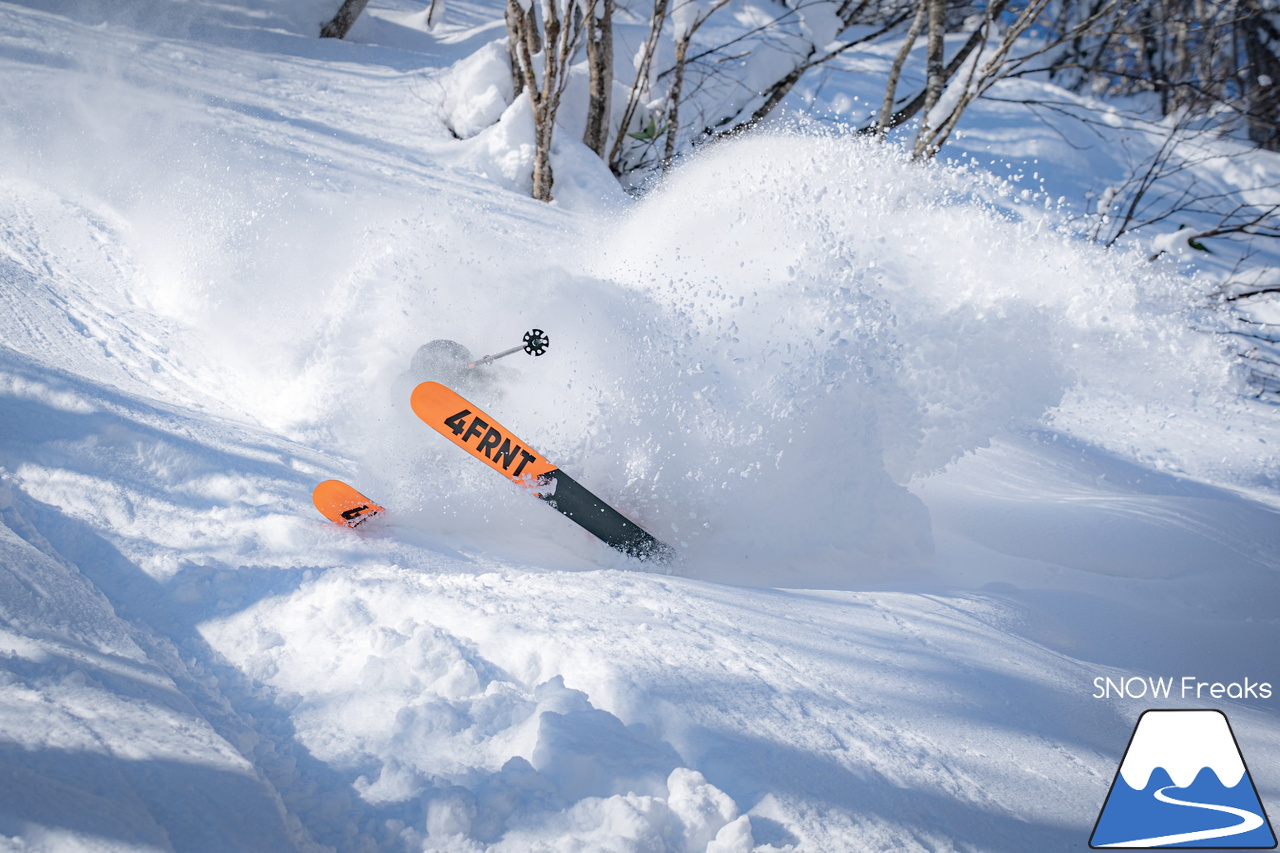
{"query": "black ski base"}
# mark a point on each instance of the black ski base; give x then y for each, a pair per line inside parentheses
(603, 521)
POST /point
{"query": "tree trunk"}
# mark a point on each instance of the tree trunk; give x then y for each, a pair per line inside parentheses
(933, 62)
(542, 177)
(559, 42)
(544, 111)
(914, 106)
(435, 14)
(600, 66)
(524, 43)
(1262, 102)
(342, 22)
(891, 88)
(673, 112)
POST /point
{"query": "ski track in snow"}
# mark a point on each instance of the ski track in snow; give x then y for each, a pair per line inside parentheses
(221, 246)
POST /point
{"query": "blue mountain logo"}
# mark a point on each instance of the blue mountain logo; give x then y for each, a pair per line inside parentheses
(1183, 783)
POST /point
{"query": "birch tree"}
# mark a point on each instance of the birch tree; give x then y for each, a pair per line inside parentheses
(600, 71)
(714, 90)
(557, 41)
(687, 17)
(996, 49)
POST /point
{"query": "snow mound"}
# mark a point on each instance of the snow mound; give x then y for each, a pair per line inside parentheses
(436, 729)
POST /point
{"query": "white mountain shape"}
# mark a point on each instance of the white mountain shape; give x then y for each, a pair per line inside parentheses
(1183, 743)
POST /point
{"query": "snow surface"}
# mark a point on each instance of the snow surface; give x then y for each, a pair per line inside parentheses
(934, 464)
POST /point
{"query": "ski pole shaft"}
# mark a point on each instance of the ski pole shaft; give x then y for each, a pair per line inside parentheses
(490, 359)
(535, 343)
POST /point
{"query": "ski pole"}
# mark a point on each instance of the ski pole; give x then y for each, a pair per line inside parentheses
(535, 343)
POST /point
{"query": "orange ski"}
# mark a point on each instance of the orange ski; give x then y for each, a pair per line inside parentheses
(479, 434)
(343, 505)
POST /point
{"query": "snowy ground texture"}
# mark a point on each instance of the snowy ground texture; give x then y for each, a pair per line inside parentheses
(934, 465)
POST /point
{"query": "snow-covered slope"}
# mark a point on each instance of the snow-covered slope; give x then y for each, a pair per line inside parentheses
(933, 464)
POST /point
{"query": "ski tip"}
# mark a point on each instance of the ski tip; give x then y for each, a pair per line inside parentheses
(425, 392)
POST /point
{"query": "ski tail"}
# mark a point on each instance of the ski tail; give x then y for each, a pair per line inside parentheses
(343, 505)
(572, 499)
